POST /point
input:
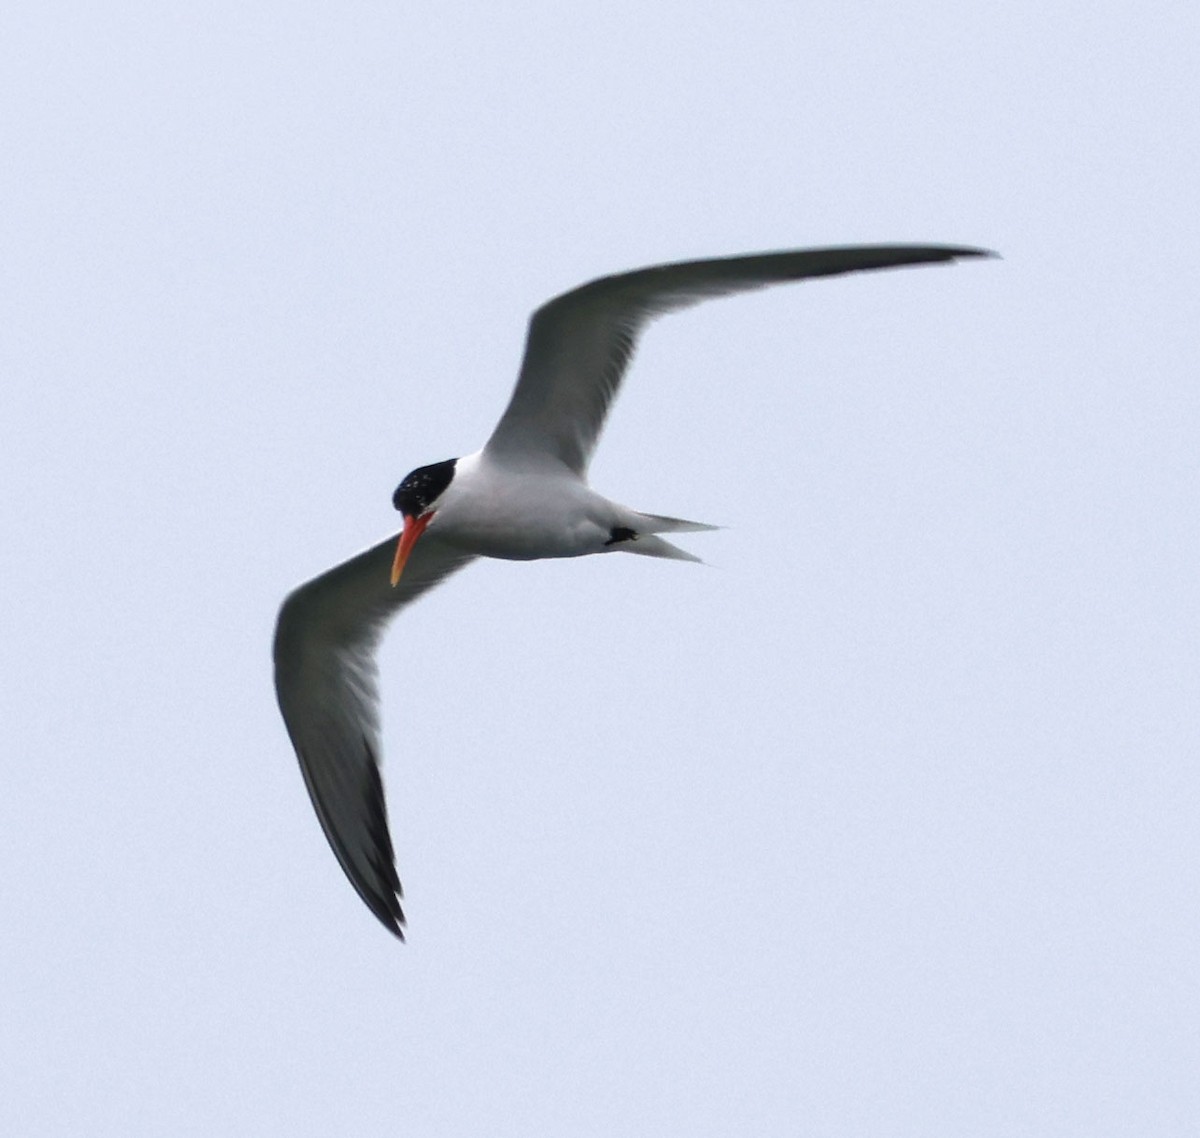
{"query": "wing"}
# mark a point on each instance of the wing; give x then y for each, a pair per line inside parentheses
(580, 343)
(326, 683)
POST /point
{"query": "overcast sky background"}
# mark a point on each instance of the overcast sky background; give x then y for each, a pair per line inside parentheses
(885, 825)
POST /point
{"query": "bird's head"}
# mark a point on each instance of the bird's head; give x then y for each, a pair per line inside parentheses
(417, 498)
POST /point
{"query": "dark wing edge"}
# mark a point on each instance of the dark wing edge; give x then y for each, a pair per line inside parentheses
(327, 688)
(580, 343)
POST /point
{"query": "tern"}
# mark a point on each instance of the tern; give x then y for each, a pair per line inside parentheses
(524, 495)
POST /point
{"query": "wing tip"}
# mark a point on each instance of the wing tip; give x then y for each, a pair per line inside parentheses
(930, 254)
(389, 914)
(978, 251)
(385, 902)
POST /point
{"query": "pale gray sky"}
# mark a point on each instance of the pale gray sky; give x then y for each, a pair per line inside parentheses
(887, 825)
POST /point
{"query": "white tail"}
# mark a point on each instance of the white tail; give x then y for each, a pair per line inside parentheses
(650, 546)
(656, 523)
(647, 525)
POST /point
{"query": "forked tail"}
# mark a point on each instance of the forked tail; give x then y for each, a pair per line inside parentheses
(656, 523)
(648, 545)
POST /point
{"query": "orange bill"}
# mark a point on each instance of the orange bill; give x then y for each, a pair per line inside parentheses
(413, 528)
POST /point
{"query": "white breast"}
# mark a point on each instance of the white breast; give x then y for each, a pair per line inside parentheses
(496, 510)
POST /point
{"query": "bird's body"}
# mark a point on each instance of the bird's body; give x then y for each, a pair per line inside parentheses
(494, 508)
(523, 496)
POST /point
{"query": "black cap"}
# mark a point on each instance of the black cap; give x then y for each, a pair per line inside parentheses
(423, 487)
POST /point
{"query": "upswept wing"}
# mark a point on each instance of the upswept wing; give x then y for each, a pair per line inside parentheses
(326, 683)
(580, 343)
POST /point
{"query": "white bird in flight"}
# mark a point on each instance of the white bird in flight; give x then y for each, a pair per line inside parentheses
(524, 495)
